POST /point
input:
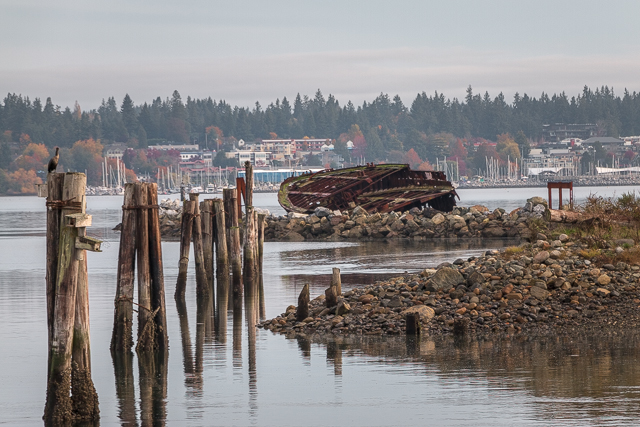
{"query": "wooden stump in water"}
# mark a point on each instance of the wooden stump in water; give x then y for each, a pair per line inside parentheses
(69, 361)
(198, 249)
(233, 241)
(158, 304)
(146, 332)
(249, 272)
(331, 296)
(261, 222)
(55, 181)
(413, 323)
(122, 338)
(188, 211)
(222, 269)
(206, 216)
(336, 280)
(302, 311)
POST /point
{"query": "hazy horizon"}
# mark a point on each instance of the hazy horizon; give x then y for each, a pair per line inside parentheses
(260, 51)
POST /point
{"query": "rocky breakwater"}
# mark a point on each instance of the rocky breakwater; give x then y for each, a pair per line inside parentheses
(170, 213)
(418, 224)
(550, 286)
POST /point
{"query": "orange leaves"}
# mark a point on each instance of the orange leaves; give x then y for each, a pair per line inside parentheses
(22, 181)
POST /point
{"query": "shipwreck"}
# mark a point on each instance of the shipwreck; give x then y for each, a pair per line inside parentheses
(375, 188)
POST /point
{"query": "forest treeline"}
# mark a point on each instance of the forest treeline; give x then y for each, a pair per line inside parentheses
(383, 129)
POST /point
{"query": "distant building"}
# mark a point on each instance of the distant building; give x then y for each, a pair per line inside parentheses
(115, 151)
(179, 147)
(561, 131)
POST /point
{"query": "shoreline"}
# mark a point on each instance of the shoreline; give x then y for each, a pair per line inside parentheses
(549, 287)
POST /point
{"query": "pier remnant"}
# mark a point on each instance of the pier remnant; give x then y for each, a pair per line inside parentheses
(140, 239)
(71, 395)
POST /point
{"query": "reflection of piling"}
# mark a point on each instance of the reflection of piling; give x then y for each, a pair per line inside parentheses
(125, 387)
(140, 242)
(233, 241)
(69, 362)
(153, 387)
(334, 356)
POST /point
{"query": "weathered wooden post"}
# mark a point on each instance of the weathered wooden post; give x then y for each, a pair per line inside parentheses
(331, 296)
(412, 323)
(188, 210)
(158, 304)
(69, 346)
(222, 269)
(303, 304)
(261, 223)
(248, 196)
(55, 181)
(206, 216)
(146, 332)
(336, 281)
(249, 272)
(198, 250)
(233, 242)
(122, 338)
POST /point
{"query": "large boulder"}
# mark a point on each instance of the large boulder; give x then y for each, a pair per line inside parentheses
(444, 279)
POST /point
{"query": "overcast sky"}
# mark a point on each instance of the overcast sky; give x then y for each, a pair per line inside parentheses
(248, 51)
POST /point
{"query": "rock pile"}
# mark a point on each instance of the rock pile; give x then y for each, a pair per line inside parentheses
(544, 287)
(476, 221)
(170, 218)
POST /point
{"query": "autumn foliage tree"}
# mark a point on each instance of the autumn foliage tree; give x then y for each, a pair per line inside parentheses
(85, 155)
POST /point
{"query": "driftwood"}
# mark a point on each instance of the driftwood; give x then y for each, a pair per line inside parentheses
(572, 217)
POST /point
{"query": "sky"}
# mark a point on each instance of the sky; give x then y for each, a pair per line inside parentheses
(248, 51)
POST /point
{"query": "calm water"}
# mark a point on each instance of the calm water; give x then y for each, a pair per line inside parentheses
(242, 378)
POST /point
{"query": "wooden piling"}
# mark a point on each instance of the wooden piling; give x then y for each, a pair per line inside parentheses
(222, 269)
(198, 249)
(249, 272)
(59, 406)
(331, 296)
(83, 391)
(233, 242)
(248, 197)
(261, 223)
(206, 217)
(146, 332)
(122, 337)
(55, 182)
(303, 304)
(188, 211)
(158, 303)
(336, 281)
(412, 321)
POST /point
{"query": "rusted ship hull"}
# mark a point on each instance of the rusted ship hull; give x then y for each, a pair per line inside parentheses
(376, 188)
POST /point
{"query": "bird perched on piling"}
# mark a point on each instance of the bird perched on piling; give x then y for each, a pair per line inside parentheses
(53, 163)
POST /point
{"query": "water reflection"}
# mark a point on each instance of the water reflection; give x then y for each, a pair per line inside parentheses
(153, 372)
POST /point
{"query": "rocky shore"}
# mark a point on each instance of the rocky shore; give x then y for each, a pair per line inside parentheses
(550, 286)
(417, 224)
